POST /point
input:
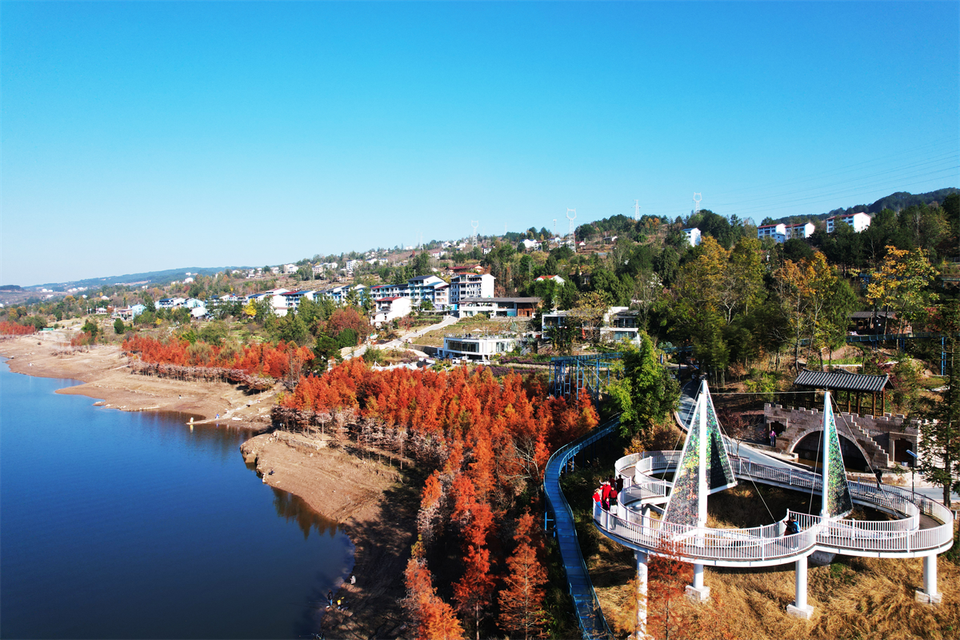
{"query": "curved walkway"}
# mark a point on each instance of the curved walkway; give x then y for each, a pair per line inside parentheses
(590, 617)
(764, 546)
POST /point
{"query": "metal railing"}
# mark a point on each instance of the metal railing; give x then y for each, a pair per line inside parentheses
(590, 617)
(767, 543)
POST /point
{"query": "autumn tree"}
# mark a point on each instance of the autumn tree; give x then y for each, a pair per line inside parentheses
(901, 283)
(587, 315)
(669, 577)
(521, 601)
(434, 619)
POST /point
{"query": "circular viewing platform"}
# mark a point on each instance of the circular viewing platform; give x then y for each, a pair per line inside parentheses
(908, 535)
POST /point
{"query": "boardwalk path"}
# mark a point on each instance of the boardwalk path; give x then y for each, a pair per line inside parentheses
(589, 615)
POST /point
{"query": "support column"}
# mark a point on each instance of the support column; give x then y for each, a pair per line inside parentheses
(929, 594)
(800, 608)
(641, 596)
(697, 592)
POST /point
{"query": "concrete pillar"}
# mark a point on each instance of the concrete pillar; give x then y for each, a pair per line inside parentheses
(800, 608)
(642, 596)
(929, 594)
(697, 592)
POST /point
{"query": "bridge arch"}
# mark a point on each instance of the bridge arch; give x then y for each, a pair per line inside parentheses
(807, 443)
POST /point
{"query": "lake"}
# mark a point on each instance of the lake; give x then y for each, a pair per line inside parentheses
(134, 525)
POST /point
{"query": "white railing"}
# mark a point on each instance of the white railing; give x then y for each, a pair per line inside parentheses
(767, 542)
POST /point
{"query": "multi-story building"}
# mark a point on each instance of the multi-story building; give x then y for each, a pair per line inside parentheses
(693, 236)
(498, 307)
(859, 221)
(470, 285)
(778, 232)
(418, 289)
(799, 230)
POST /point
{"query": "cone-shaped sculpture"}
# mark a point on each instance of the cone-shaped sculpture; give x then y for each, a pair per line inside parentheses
(835, 501)
(704, 466)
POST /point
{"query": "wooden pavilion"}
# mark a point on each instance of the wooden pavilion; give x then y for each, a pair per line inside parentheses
(852, 387)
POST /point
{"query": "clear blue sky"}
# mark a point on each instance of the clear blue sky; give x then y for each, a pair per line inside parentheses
(152, 135)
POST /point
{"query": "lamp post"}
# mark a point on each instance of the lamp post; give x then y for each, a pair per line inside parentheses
(913, 469)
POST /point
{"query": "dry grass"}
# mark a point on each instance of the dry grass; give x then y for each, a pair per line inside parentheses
(863, 598)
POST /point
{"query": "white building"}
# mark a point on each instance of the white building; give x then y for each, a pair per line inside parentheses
(859, 221)
(390, 308)
(471, 285)
(693, 236)
(480, 348)
(777, 232)
(800, 231)
(618, 323)
(530, 245)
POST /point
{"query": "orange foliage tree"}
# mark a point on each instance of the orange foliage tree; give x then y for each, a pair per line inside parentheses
(486, 439)
(8, 328)
(521, 601)
(433, 617)
(276, 362)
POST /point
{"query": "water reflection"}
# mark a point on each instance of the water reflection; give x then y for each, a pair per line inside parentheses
(291, 507)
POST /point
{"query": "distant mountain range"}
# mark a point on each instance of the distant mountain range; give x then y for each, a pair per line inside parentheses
(148, 278)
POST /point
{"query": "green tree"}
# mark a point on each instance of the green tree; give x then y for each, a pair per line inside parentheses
(326, 349)
(939, 459)
(92, 328)
(118, 327)
(645, 392)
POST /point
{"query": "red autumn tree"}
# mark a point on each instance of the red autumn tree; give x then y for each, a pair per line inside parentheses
(521, 602)
(433, 617)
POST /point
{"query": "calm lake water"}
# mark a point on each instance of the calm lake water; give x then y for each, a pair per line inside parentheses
(130, 525)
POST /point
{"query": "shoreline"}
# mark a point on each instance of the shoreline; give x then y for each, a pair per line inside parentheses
(104, 375)
(369, 500)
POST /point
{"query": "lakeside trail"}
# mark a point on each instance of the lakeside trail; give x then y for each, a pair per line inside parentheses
(370, 500)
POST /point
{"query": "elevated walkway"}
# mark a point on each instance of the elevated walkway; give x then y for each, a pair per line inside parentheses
(558, 513)
(907, 537)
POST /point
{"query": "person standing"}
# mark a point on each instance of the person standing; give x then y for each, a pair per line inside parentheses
(773, 438)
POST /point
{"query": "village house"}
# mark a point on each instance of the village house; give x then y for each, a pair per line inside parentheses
(390, 308)
(477, 348)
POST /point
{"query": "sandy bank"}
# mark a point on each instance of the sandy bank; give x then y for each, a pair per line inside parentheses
(105, 374)
(375, 504)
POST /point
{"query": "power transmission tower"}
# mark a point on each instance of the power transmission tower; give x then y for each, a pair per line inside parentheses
(696, 202)
(573, 238)
(636, 210)
(475, 224)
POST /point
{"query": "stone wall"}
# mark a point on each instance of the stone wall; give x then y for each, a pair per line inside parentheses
(882, 440)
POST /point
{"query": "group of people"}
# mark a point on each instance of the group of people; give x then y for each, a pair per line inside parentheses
(606, 494)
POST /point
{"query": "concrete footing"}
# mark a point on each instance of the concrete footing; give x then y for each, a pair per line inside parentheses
(926, 598)
(804, 612)
(698, 594)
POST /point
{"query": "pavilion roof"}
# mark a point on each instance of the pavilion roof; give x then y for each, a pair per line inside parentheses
(841, 380)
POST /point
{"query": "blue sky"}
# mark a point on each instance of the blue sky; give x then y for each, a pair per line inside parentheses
(145, 136)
